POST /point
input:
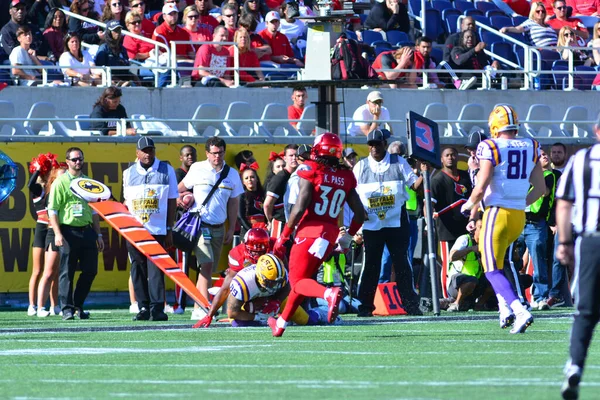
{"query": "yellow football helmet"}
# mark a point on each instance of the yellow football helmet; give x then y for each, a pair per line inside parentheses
(270, 272)
(503, 118)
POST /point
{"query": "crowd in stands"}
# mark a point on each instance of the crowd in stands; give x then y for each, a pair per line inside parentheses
(271, 34)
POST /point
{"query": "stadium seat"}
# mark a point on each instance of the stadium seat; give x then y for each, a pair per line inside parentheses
(308, 121)
(147, 125)
(433, 24)
(485, 6)
(470, 112)
(442, 5)
(584, 81)
(371, 36)
(437, 54)
(43, 110)
(351, 35)
(488, 37)
(9, 128)
(518, 20)
(396, 36)
(481, 19)
(473, 12)
(201, 124)
(272, 128)
(239, 110)
(463, 5)
(494, 13)
(576, 129)
(540, 112)
(498, 22)
(450, 17)
(560, 78)
(504, 50)
(438, 112)
(381, 46)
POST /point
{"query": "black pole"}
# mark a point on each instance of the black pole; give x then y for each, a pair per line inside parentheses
(431, 258)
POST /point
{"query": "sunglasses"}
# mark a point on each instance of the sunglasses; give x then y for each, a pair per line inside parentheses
(138, 5)
(136, 22)
(560, 8)
(568, 34)
(540, 12)
(228, 15)
(75, 159)
(116, 4)
(192, 17)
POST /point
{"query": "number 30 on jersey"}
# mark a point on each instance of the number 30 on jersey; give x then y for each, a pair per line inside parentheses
(331, 207)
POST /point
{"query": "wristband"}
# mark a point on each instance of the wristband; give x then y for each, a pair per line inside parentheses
(99, 235)
(287, 232)
(354, 227)
(468, 205)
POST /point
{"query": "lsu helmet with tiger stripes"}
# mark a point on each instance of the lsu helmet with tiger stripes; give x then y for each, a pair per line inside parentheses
(503, 118)
(270, 271)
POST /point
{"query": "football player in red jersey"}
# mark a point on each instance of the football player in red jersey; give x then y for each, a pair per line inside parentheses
(324, 186)
(256, 243)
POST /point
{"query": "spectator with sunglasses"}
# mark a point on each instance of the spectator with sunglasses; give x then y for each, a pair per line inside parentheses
(89, 33)
(191, 17)
(567, 38)
(113, 10)
(136, 49)
(229, 19)
(139, 7)
(540, 32)
(560, 10)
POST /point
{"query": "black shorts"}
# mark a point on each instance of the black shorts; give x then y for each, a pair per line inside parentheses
(457, 281)
(39, 235)
(50, 241)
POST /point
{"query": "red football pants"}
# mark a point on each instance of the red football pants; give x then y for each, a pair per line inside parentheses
(303, 266)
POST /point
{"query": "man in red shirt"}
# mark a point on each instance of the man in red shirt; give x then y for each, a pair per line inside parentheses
(139, 6)
(295, 111)
(206, 20)
(560, 10)
(167, 32)
(324, 187)
(585, 7)
(282, 52)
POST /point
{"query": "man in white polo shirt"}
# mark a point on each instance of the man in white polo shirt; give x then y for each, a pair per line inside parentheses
(150, 192)
(221, 206)
(370, 116)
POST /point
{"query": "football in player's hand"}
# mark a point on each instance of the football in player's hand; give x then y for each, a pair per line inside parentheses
(185, 200)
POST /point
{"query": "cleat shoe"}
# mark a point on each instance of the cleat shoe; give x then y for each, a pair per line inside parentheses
(159, 316)
(42, 312)
(31, 311)
(143, 315)
(198, 314)
(178, 310)
(522, 322)
(134, 308)
(507, 320)
(82, 314)
(543, 305)
(277, 331)
(555, 302)
(570, 387)
(169, 309)
(534, 304)
(55, 310)
(465, 85)
(333, 303)
(67, 315)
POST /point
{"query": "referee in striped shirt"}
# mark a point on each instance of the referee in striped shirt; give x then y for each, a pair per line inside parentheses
(579, 189)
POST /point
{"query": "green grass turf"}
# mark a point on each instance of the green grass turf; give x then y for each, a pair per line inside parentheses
(381, 358)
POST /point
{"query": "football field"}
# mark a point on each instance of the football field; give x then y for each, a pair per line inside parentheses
(448, 357)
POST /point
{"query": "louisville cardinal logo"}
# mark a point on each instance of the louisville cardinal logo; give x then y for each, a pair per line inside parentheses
(460, 190)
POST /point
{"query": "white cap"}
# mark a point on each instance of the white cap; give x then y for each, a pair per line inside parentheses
(374, 96)
(169, 8)
(272, 15)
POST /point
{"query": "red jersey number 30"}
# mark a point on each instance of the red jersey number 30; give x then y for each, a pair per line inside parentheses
(332, 203)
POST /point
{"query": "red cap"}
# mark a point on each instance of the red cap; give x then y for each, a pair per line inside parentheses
(15, 3)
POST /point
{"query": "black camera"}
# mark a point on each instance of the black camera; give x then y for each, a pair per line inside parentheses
(292, 9)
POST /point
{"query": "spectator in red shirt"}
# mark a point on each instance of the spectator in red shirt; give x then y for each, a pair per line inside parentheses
(229, 15)
(257, 43)
(299, 97)
(585, 7)
(167, 32)
(215, 58)
(139, 6)
(560, 10)
(136, 49)
(206, 20)
(247, 58)
(282, 52)
(55, 31)
(190, 20)
(394, 60)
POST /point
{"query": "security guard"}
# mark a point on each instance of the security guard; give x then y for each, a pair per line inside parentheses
(579, 191)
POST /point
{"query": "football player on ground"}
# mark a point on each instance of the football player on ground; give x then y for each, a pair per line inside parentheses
(325, 185)
(507, 167)
(256, 243)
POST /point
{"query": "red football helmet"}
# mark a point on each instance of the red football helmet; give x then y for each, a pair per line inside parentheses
(328, 145)
(256, 243)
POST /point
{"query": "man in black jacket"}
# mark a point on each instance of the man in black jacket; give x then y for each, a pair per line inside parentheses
(387, 16)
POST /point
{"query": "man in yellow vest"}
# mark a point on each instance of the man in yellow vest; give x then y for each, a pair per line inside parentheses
(465, 274)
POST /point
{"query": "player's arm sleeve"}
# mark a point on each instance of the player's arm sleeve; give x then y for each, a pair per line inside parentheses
(565, 190)
(488, 150)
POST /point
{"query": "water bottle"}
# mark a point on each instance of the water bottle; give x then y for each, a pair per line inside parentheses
(537, 84)
(504, 83)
